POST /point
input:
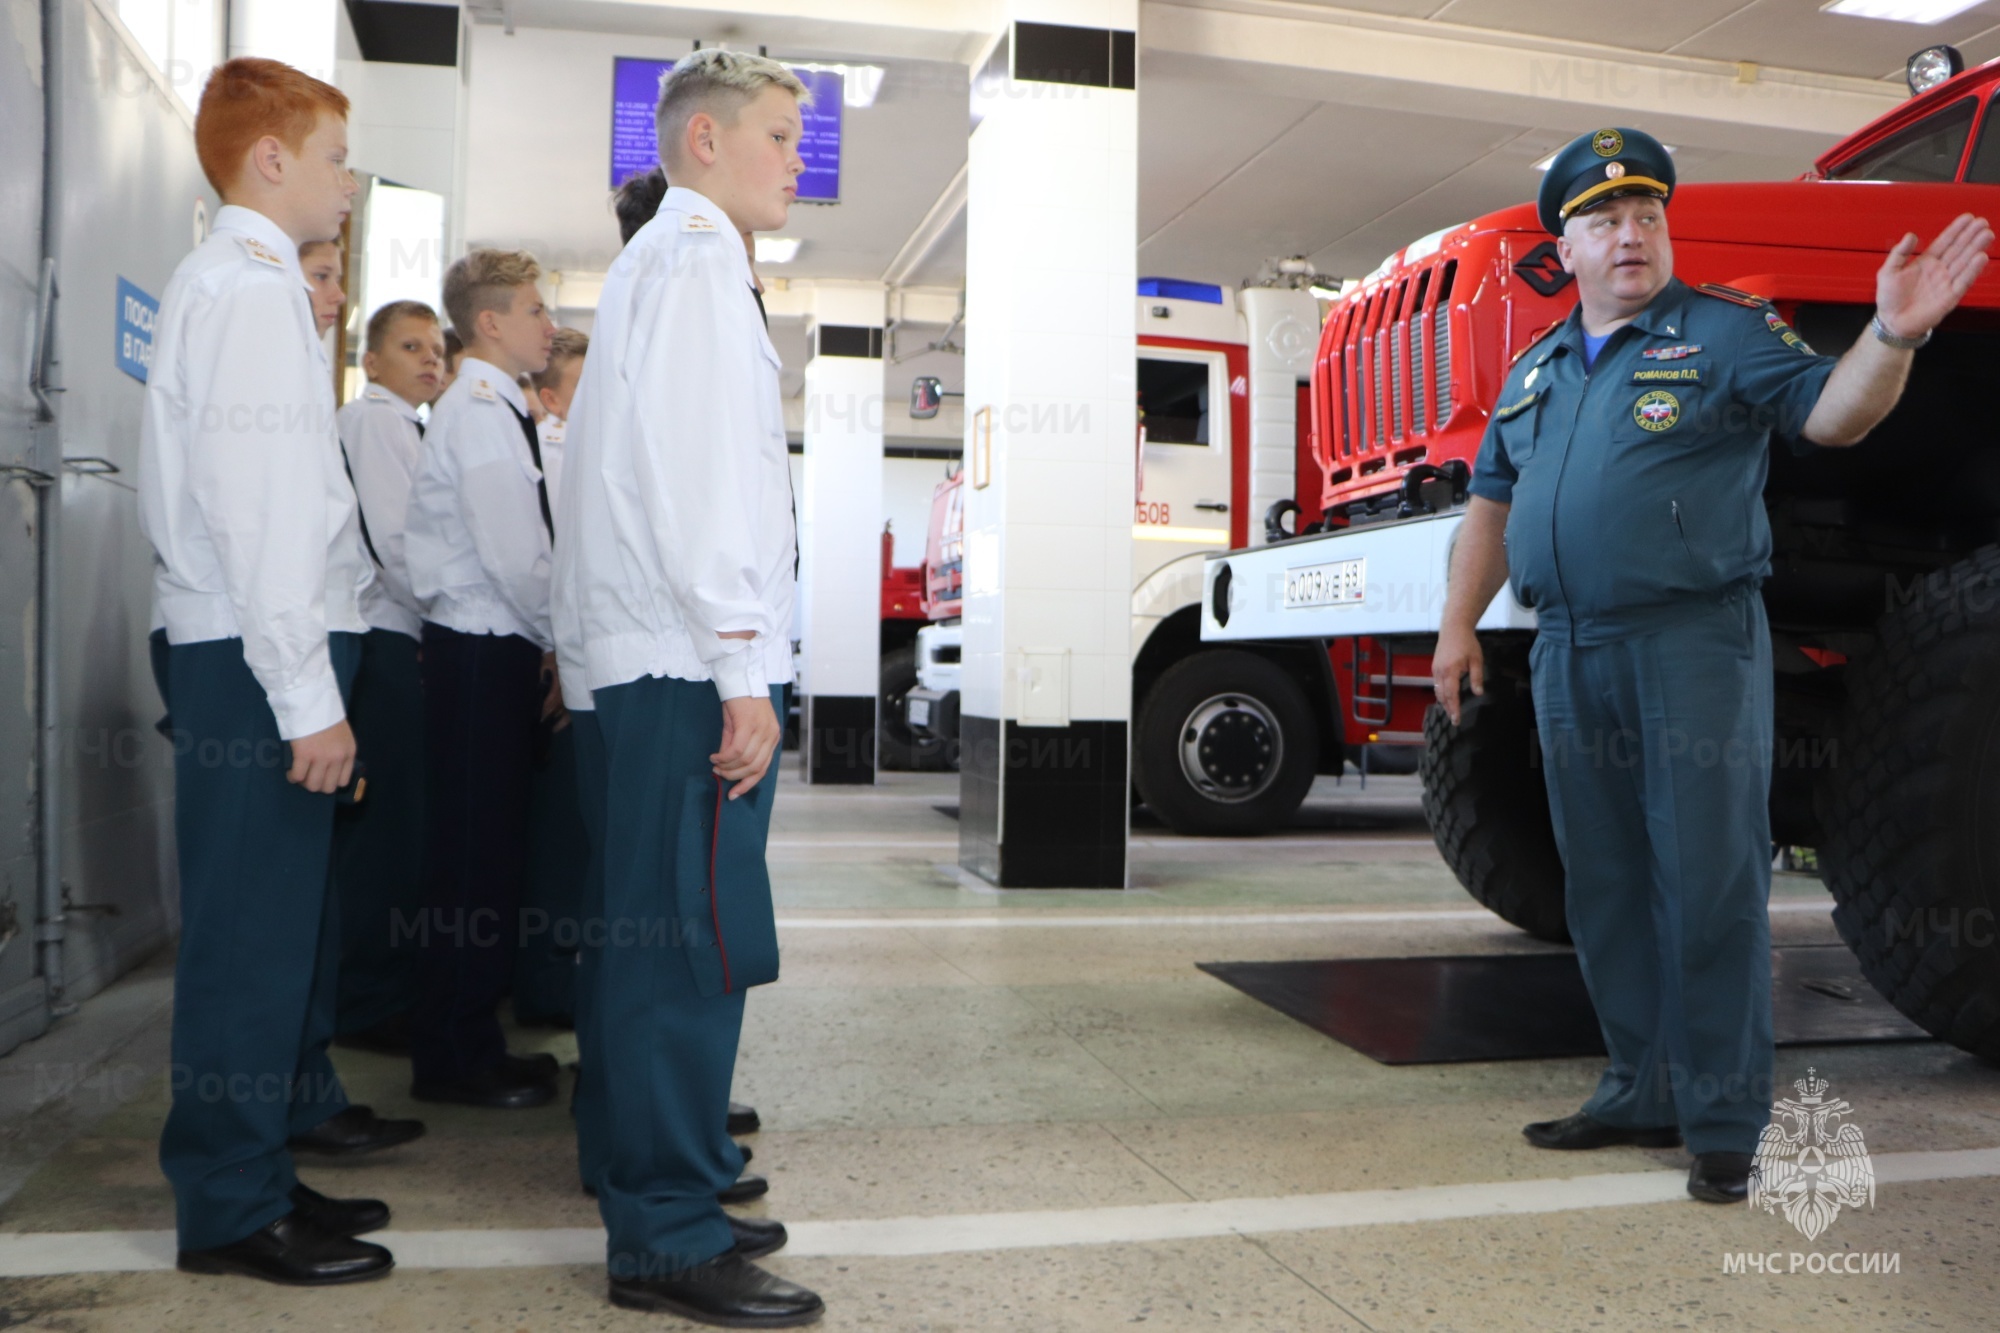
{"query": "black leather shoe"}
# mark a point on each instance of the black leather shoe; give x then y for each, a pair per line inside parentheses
(743, 1119)
(757, 1236)
(496, 1089)
(391, 1036)
(728, 1290)
(746, 1188)
(294, 1252)
(339, 1217)
(354, 1131)
(539, 1065)
(1720, 1177)
(1576, 1132)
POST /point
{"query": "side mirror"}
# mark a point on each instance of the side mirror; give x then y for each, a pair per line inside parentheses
(926, 396)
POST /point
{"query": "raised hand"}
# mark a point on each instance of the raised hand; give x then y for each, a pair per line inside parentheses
(1915, 291)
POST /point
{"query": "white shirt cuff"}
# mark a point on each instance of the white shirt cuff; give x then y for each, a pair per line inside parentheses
(740, 675)
(308, 708)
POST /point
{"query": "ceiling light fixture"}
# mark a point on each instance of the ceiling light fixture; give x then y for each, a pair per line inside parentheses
(777, 249)
(1900, 11)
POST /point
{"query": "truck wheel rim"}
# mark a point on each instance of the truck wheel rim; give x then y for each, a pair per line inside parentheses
(1231, 748)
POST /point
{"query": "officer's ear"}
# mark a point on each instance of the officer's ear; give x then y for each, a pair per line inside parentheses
(1564, 252)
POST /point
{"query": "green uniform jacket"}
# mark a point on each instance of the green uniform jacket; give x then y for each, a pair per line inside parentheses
(1637, 485)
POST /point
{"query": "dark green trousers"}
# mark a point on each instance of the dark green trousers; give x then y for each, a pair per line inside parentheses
(259, 951)
(687, 928)
(558, 862)
(378, 842)
(590, 779)
(1657, 753)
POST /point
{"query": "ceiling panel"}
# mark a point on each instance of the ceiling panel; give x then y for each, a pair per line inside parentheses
(1798, 34)
(1634, 26)
(1193, 134)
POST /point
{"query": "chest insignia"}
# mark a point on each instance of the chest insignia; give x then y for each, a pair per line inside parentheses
(1670, 353)
(1529, 382)
(1657, 411)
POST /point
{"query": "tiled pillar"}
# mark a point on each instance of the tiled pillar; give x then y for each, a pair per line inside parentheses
(840, 535)
(1051, 239)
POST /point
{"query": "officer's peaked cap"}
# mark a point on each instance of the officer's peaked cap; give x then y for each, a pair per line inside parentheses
(1600, 165)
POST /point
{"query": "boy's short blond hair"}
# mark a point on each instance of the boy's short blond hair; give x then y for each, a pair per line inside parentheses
(568, 345)
(485, 280)
(719, 82)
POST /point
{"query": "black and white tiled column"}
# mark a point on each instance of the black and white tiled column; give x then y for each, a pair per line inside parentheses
(1051, 237)
(840, 535)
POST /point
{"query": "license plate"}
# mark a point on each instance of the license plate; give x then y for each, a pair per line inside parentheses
(1336, 583)
(920, 712)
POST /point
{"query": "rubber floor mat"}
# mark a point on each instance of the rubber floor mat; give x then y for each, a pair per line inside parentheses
(1531, 1006)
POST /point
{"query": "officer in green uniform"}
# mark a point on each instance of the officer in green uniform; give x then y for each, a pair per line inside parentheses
(1619, 489)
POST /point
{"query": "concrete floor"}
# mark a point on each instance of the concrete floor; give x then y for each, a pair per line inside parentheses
(1001, 1111)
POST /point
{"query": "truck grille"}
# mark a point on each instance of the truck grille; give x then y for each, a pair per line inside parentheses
(1384, 381)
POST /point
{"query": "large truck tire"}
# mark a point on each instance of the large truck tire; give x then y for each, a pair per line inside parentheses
(897, 748)
(1227, 744)
(1912, 812)
(1487, 805)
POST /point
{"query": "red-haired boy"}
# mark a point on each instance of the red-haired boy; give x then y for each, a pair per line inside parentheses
(259, 568)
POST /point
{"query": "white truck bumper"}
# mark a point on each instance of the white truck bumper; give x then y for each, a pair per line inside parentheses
(1375, 580)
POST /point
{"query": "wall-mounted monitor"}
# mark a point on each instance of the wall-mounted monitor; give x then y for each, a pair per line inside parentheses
(635, 90)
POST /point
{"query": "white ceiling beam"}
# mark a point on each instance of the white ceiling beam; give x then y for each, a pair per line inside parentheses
(918, 29)
(924, 238)
(1447, 69)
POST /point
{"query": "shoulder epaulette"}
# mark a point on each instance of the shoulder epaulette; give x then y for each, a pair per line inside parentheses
(1732, 295)
(1533, 340)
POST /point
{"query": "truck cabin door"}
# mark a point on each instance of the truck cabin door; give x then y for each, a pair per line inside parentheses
(1184, 473)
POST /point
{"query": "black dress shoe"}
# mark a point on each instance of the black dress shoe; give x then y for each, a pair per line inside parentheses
(353, 1131)
(339, 1217)
(746, 1188)
(497, 1089)
(292, 1251)
(391, 1036)
(757, 1236)
(1577, 1132)
(1720, 1177)
(728, 1290)
(539, 1065)
(743, 1119)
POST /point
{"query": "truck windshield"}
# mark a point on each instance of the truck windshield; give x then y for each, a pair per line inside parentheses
(1929, 150)
(1985, 168)
(1173, 401)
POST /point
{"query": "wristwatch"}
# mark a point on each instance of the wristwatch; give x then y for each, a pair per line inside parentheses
(1896, 340)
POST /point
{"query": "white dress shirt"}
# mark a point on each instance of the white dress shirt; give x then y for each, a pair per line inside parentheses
(380, 433)
(477, 547)
(241, 490)
(552, 431)
(679, 489)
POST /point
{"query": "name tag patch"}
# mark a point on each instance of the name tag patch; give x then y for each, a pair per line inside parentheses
(1668, 375)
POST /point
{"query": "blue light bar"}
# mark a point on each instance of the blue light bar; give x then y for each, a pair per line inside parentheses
(1175, 289)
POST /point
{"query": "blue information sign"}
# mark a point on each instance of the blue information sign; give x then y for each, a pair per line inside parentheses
(635, 90)
(137, 313)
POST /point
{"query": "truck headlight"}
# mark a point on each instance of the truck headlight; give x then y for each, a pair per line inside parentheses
(1932, 66)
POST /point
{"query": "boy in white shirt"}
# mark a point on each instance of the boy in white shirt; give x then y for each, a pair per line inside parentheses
(478, 541)
(378, 843)
(259, 569)
(679, 604)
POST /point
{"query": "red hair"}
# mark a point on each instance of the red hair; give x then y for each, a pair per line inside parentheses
(248, 98)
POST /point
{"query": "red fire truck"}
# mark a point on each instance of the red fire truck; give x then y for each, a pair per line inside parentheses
(1885, 597)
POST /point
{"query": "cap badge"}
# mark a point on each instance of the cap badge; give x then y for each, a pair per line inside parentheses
(1607, 143)
(1613, 170)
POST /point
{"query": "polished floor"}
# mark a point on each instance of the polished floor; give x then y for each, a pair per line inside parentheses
(1029, 1111)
